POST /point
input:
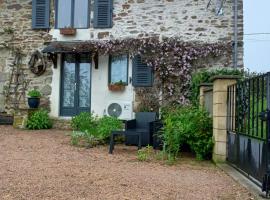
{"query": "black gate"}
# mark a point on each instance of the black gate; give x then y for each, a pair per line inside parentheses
(248, 124)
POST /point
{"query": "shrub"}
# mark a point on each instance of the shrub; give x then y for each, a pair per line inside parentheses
(85, 122)
(204, 76)
(189, 125)
(92, 130)
(145, 153)
(34, 93)
(79, 138)
(106, 125)
(39, 120)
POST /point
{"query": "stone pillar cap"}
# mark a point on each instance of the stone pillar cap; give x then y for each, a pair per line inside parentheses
(233, 77)
(206, 84)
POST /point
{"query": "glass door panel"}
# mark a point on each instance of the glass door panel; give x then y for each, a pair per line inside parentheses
(84, 85)
(68, 86)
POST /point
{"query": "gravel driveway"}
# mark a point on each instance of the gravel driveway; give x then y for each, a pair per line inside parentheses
(43, 165)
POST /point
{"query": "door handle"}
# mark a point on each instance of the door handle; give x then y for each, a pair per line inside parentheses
(75, 84)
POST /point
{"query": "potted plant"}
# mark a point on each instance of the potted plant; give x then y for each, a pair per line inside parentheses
(68, 31)
(117, 86)
(34, 98)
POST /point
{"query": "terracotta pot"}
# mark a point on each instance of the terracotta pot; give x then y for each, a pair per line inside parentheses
(68, 31)
(116, 87)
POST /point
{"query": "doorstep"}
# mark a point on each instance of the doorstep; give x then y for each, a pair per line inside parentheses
(254, 189)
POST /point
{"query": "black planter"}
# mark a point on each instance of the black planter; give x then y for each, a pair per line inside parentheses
(33, 102)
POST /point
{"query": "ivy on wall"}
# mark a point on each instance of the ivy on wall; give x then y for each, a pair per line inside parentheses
(170, 58)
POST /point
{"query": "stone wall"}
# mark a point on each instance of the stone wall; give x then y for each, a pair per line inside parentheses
(188, 20)
(185, 19)
(219, 107)
(16, 34)
(3, 77)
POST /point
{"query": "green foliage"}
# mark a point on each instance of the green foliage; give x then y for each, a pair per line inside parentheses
(34, 93)
(39, 120)
(106, 125)
(91, 130)
(204, 76)
(85, 121)
(76, 137)
(189, 125)
(79, 138)
(145, 153)
(119, 83)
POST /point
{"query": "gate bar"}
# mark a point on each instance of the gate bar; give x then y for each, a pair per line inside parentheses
(266, 180)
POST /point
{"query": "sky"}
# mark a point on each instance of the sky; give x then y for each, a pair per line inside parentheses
(256, 44)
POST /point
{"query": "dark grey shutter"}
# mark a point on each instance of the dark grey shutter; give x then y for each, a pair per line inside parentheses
(41, 14)
(103, 13)
(142, 75)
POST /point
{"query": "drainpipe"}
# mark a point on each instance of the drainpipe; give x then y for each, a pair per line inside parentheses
(235, 56)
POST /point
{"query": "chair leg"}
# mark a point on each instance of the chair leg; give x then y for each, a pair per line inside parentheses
(140, 141)
(111, 144)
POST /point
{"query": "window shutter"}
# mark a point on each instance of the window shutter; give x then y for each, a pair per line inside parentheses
(41, 14)
(103, 13)
(142, 75)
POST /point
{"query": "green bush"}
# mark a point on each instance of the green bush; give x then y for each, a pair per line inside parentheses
(106, 125)
(79, 138)
(90, 129)
(34, 93)
(204, 76)
(145, 154)
(39, 120)
(85, 121)
(189, 125)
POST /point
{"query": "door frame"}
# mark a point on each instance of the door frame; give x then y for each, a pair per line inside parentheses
(76, 95)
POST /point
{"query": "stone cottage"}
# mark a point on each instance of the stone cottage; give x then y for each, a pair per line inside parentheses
(111, 56)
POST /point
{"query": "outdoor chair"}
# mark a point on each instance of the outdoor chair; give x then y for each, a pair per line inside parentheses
(138, 131)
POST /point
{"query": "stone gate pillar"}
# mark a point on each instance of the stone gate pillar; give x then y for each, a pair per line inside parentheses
(220, 86)
(203, 87)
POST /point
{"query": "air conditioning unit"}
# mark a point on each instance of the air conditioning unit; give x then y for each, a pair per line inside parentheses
(121, 109)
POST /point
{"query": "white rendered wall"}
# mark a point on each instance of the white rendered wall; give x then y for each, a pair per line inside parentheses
(100, 94)
(55, 96)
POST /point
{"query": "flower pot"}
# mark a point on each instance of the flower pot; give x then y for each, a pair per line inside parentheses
(116, 87)
(33, 102)
(68, 31)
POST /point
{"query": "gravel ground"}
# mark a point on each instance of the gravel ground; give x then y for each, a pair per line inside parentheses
(43, 165)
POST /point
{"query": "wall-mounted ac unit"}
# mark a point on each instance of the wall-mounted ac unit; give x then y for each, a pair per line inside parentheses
(121, 109)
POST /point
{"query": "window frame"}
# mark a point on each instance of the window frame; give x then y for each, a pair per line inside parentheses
(110, 69)
(72, 15)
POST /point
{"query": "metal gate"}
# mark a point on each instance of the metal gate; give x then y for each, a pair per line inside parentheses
(248, 128)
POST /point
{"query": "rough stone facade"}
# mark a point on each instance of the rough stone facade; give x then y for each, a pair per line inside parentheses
(3, 78)
(184, 19)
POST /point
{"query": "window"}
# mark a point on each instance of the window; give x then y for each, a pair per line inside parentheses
(118, 71)
(72, 13)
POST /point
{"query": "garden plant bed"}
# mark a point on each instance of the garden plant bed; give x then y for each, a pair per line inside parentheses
(43, 165)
